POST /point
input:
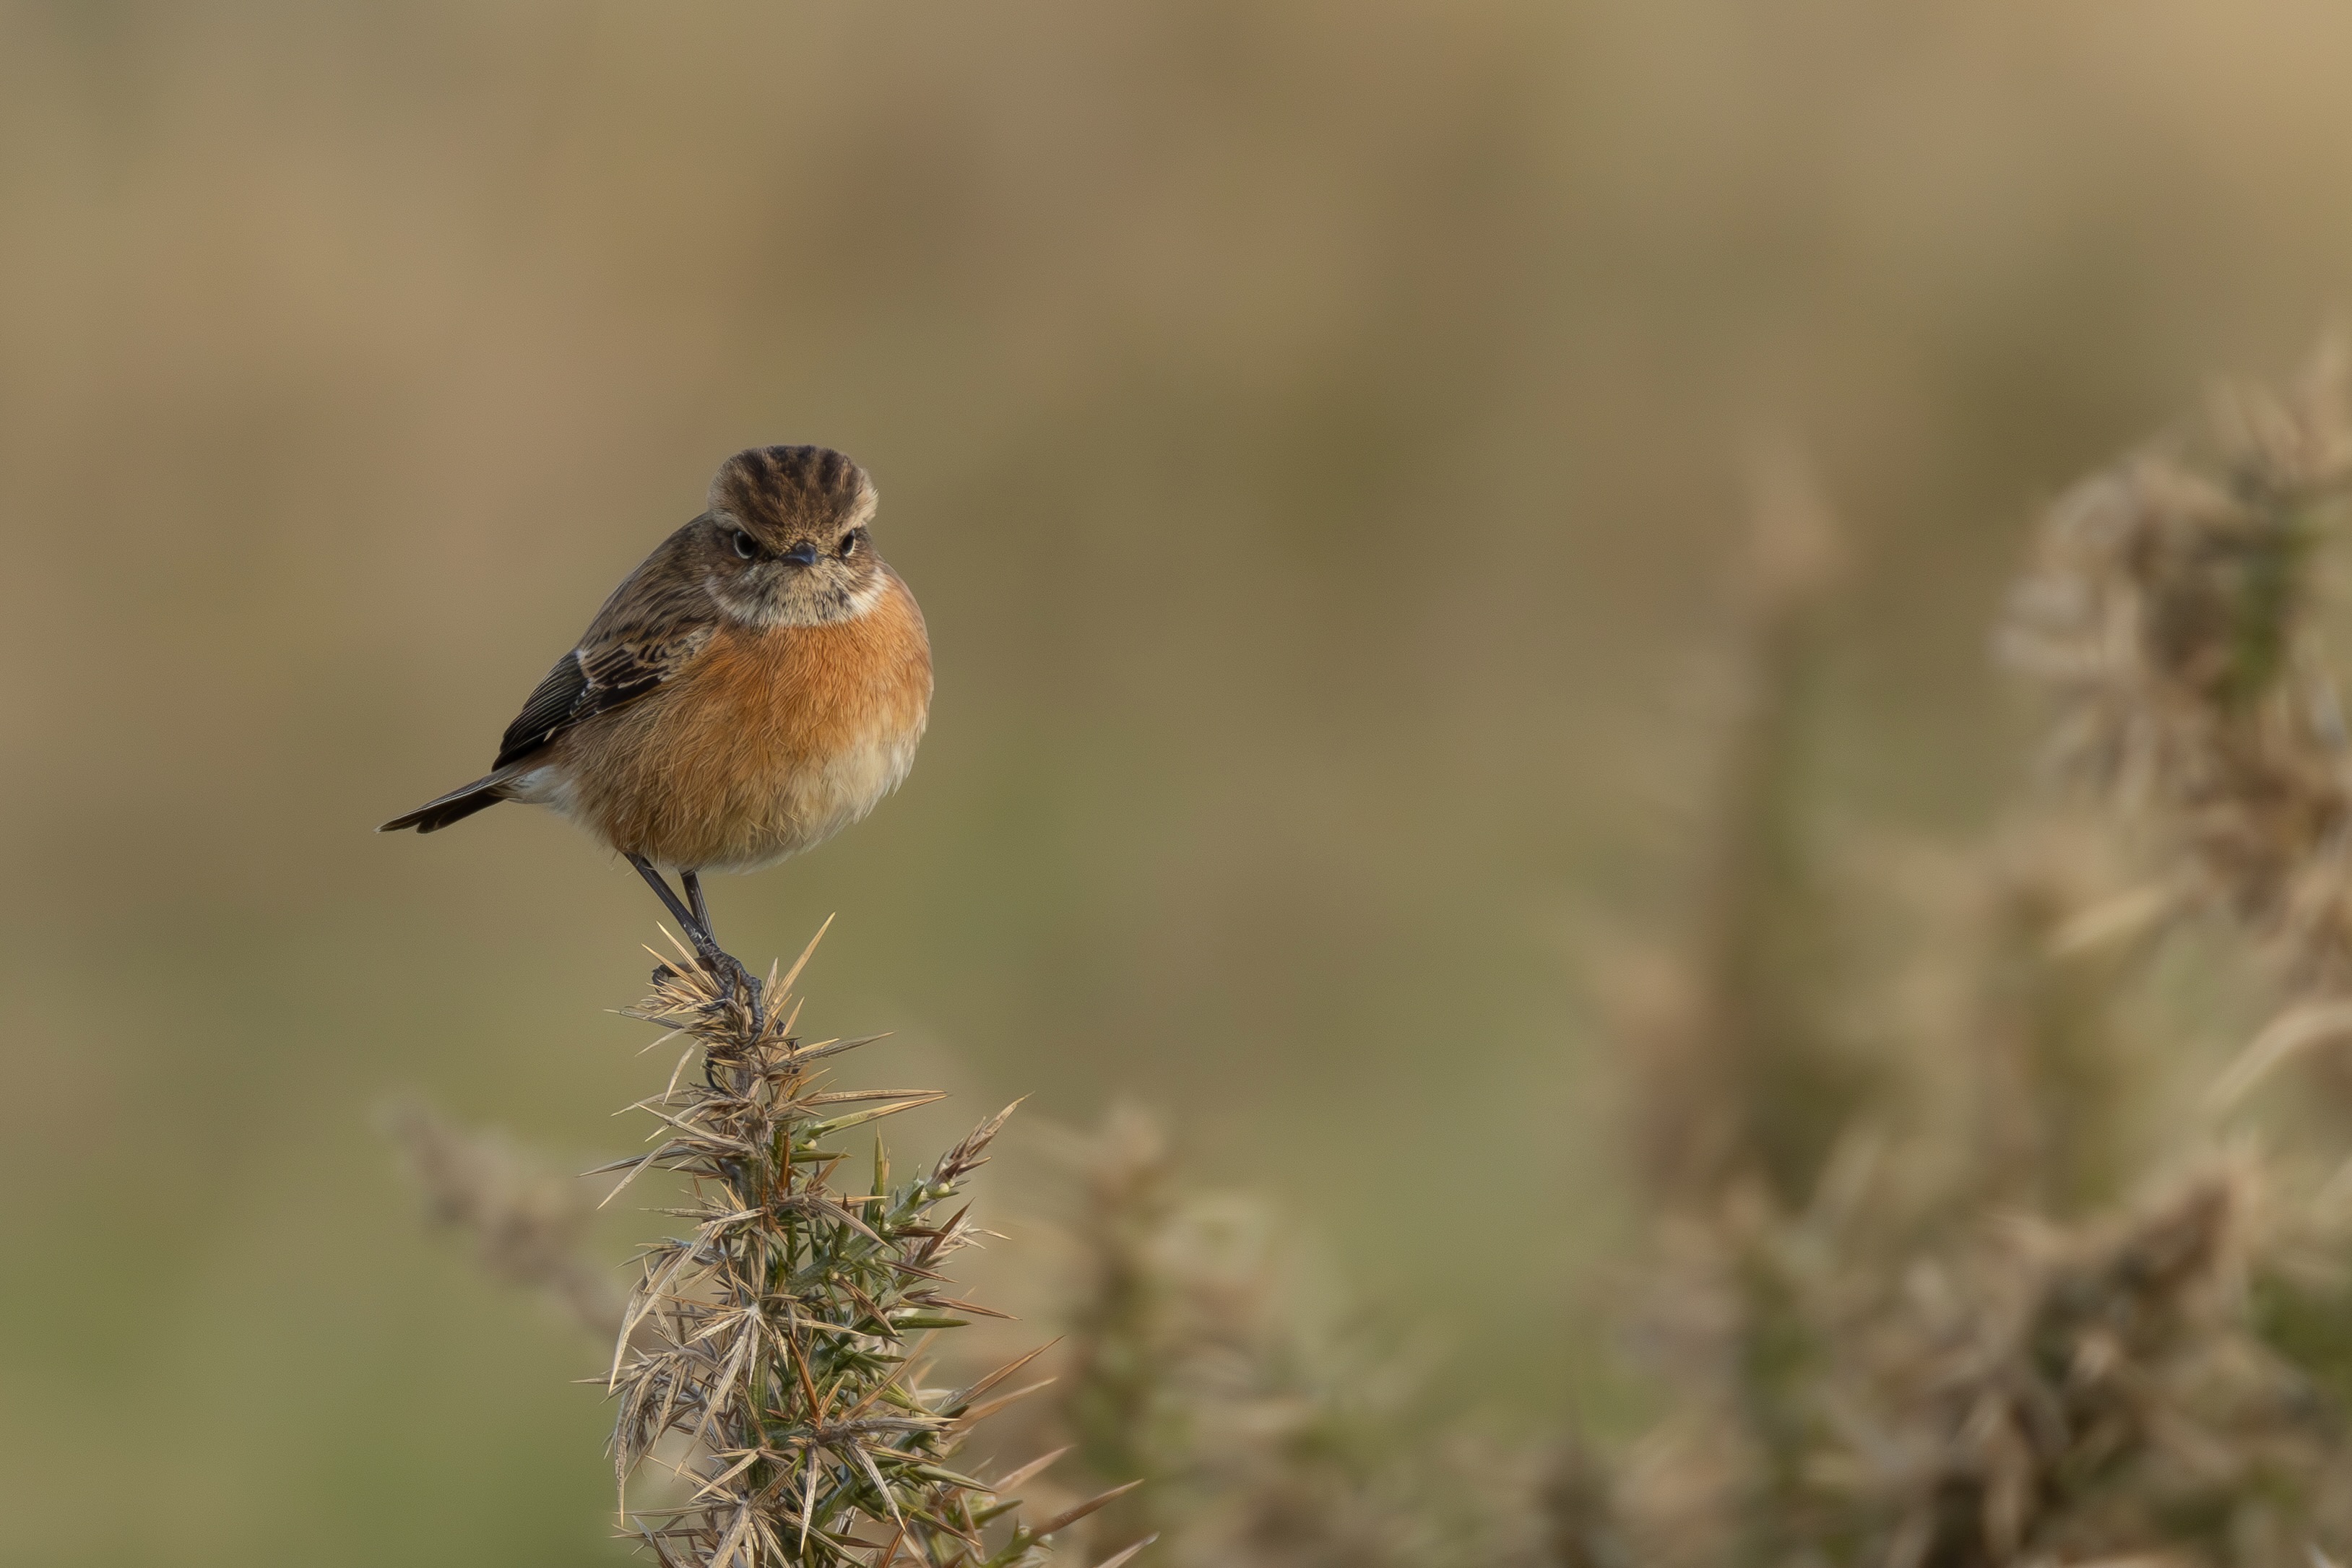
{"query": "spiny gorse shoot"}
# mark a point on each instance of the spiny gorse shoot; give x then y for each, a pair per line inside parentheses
(772, 1356)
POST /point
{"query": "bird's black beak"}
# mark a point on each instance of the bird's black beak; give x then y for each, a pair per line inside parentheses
(801, 554)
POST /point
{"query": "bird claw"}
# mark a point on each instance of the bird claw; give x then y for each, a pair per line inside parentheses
(733, 980)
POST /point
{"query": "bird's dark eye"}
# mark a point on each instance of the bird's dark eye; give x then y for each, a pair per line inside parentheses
(745, 545)
(848, 545)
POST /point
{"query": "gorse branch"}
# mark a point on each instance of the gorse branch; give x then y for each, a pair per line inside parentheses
(772, 1356)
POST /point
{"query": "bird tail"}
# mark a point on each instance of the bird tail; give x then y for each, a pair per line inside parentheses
(456, 805)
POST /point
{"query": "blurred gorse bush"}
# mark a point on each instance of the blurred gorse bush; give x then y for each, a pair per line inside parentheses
(1966, 1283)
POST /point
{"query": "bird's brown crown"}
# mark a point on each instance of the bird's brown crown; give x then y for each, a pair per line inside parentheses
(787, 538)
(794, 492)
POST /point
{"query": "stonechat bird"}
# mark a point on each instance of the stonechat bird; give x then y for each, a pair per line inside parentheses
(759, 684)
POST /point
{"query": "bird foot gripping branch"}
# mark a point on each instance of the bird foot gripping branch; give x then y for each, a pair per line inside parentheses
(723, 969)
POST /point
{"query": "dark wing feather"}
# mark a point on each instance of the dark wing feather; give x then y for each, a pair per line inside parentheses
(547, 711)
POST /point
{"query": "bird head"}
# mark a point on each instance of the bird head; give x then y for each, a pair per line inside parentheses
(786, 540)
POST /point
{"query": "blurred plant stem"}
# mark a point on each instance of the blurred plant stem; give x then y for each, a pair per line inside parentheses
(2056, 1101)
(1271, 1440)
(529, 1226)
(1748, 1083)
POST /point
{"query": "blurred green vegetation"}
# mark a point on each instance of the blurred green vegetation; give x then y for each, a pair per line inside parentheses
(1310, 430)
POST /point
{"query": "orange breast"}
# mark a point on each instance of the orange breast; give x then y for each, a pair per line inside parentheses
(771, 741)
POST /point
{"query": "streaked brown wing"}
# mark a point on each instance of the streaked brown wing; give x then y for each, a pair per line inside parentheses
(649, 631)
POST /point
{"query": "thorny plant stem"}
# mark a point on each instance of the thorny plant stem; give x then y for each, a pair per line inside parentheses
(772, 1356)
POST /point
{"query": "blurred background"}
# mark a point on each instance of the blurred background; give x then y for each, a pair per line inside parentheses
(1313, 431)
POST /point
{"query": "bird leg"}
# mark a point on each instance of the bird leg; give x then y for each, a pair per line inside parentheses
(679, 912)
(717, 962)
(692, 881)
